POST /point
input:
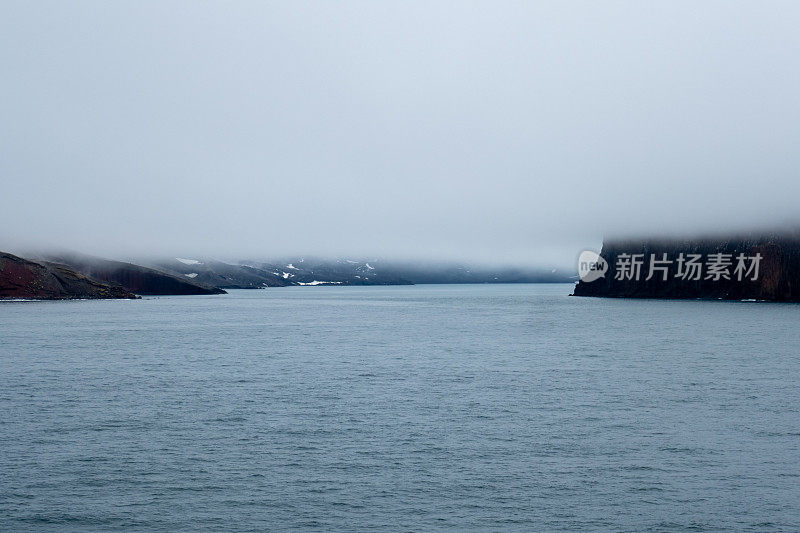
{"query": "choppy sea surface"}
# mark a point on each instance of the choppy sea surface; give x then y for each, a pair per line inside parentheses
(483, 407)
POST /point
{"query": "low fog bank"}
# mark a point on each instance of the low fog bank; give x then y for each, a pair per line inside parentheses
(512, 247)
(513, 133)
(558, 258)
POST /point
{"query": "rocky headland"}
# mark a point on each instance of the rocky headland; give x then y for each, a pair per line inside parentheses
(134, 278)
(24, 279)
(746, 267)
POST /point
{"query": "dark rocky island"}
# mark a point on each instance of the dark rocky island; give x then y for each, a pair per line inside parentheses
(747, 267)
(20, 278)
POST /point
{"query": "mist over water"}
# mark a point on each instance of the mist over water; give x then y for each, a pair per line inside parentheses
(511, 132)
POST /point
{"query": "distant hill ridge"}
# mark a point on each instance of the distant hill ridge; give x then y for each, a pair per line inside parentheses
(182, 276)
(254, 274)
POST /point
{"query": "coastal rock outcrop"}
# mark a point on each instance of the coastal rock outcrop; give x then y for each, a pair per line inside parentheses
(749, 267)
(21, 278)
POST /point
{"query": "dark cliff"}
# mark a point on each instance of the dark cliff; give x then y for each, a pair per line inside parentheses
(20, 278)
(750, 267)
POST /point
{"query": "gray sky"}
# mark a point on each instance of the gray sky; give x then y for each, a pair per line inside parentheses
(510, 131)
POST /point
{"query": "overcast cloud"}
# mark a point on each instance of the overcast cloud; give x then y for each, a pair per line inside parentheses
(510, 131)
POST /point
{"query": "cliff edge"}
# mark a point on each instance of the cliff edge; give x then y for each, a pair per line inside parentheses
(750, 267)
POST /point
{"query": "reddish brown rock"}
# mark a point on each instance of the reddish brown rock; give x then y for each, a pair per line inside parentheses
(20, 278)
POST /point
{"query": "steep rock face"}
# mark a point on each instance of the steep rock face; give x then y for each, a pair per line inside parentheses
(135, 278)
(20, 278)
(777, 277)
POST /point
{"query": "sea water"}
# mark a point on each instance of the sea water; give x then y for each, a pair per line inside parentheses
(483, 407)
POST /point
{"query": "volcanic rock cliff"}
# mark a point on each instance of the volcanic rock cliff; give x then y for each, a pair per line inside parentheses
(20, 278)
(750, 267)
